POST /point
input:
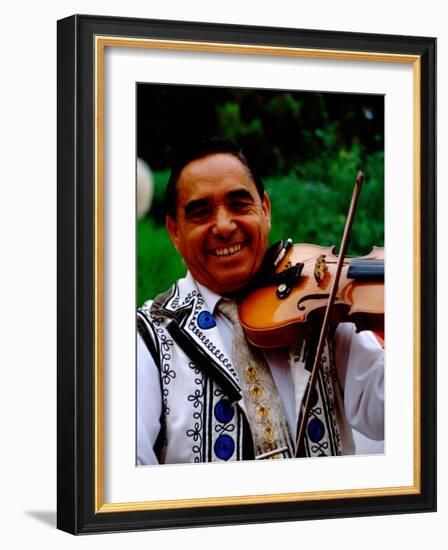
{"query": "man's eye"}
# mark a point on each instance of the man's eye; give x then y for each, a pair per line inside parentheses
(240, 205)
(198, 213)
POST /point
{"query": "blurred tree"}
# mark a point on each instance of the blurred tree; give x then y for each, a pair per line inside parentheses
(279, 129)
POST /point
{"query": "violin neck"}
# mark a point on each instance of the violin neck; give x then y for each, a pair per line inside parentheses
(366, 270)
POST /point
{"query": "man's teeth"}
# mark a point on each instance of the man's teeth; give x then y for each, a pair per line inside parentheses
(227, 251)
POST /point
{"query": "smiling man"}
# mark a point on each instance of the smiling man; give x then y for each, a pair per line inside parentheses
(221, 223)
(204, 394)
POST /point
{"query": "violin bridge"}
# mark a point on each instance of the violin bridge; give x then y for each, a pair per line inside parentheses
(320, 268)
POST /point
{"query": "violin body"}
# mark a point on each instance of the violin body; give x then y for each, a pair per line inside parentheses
(274, 315)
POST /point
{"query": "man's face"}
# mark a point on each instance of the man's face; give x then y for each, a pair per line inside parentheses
(222, 226)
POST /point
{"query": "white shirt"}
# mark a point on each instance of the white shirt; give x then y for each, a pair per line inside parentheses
(360, 367)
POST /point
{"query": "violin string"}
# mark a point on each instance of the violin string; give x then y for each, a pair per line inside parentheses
(315, 257)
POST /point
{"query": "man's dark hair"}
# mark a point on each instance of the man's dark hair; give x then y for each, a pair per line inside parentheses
(198, 150)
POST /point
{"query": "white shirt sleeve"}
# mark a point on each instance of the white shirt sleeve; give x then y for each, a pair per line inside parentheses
(360, 366)
(149, 404)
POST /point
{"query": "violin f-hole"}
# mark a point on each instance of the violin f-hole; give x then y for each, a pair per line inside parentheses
(313, 297)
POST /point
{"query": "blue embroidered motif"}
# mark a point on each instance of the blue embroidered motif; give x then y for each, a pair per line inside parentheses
(224, 411)
(316, 430)
(206, 320)
(224, 447)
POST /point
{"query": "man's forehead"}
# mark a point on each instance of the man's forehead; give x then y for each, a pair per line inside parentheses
(216, 163)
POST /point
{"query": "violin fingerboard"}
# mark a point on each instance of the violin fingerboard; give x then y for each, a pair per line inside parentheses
(366, 270)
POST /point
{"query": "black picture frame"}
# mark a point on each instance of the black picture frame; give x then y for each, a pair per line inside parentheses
(80, 508)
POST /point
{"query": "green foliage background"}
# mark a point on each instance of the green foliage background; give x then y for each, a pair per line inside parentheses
(307, 146)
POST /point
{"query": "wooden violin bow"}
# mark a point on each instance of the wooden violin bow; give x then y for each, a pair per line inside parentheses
(328, 311)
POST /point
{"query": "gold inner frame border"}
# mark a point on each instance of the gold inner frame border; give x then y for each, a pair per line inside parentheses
(100, 44)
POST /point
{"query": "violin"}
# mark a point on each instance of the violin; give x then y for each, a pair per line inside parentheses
(289, 302)
(293, 302)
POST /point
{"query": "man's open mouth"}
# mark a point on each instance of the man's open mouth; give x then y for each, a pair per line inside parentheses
(226, 251)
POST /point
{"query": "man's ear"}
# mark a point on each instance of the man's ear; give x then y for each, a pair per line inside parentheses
(171, 227)
(266, 205)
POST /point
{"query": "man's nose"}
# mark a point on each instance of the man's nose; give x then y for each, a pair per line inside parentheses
(224, 223)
